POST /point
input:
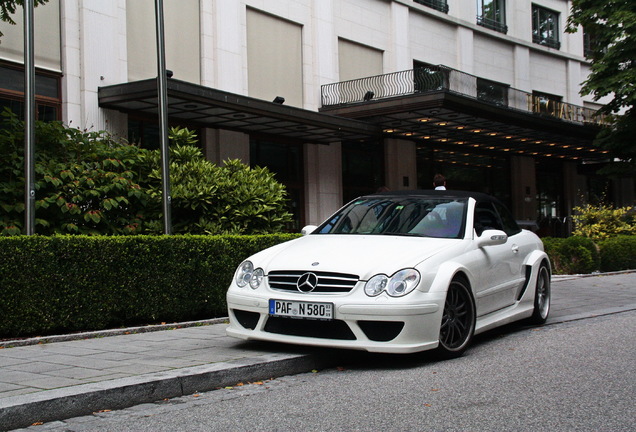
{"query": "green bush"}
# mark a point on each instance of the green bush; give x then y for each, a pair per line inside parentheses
(603, 221)
(59, 284)
(572, 255)
(85, 182)
(90, 183)
(618, 253)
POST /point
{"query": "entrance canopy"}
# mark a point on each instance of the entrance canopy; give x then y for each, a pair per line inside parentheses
(443, 107)
(207, 107)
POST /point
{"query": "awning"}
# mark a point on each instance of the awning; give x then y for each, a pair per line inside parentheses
(448, 119)
(208, 107)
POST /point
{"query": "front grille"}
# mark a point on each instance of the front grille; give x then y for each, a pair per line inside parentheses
(327, 282)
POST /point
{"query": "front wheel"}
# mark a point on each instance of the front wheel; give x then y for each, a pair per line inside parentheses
(541, 296)
(458, 320)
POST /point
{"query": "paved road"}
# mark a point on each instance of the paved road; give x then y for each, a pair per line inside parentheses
(66, 379)
(556, 378)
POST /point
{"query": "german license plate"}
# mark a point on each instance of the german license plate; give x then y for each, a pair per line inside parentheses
(297, 309)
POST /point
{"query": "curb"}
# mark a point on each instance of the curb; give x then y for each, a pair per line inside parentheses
(25, 410)
(110, 332)
(587, 315)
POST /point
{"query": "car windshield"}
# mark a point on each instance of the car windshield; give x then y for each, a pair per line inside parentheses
(398, 215)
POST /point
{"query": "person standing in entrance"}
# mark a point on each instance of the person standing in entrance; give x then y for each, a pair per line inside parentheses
(439, 182)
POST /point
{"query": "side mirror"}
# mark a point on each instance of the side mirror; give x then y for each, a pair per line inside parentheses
(308, 229)
(492, 237)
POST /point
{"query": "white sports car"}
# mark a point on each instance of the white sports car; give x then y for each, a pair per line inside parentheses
(395, 272)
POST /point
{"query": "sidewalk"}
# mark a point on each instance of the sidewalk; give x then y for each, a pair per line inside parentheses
(68, 378)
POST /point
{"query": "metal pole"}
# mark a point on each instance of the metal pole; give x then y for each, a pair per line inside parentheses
(162, 90)
(29, 121)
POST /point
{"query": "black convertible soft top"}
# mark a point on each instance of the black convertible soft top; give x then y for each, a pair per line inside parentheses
(478, 196)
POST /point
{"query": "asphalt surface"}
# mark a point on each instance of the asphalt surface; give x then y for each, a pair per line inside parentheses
(46, 379)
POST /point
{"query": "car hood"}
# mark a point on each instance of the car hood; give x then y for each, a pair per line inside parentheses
(361, 255)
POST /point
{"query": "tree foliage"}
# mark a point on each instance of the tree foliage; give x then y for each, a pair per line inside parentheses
(90, 183)
(9, 7)
(611, 26)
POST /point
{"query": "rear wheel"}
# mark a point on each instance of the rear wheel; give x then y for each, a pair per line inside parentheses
(458, 320)
(542, 296)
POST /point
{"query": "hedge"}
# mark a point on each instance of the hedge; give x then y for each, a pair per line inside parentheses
(572, 255)
(59, 284)
(618, 253)
(580, 255)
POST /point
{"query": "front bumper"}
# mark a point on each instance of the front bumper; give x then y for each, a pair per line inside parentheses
(379, 324)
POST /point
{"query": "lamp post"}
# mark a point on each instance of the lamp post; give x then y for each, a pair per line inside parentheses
(29, 120)
(162, 84)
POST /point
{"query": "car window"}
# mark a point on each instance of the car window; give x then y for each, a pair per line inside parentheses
(510, 226)
(427, 217)
(486, 217)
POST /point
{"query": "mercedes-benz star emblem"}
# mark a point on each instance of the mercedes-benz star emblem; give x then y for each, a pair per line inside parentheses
(307, 282)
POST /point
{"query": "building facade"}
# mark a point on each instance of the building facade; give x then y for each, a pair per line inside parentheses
(338, 97)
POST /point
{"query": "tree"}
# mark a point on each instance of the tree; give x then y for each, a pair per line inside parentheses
(8, 8)
(611, 27)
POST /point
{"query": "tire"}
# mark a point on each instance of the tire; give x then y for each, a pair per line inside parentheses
(458, 320)
(542, 295)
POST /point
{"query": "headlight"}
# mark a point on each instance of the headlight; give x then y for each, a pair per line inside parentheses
(246, 274)
(403, 282)
(257, 278)
(398, 285)
(376, 285)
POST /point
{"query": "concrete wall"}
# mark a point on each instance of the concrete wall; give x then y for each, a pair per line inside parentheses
(524, 189)
(400, 164)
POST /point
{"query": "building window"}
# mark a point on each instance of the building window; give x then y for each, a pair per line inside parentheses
(550, 199)
(362, 168)
(286, 162)
(545, 27)
(492, 92)
(492, 14)
(587, 44)
(144, 133)
(48, 103)
(591, 44)
(440, 5)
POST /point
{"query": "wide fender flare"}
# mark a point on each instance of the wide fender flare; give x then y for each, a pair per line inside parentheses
(535, 259)
(446, 273)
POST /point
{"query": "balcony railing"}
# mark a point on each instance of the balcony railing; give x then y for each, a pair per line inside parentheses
(492, 24)
(443, 79)
(440, 5)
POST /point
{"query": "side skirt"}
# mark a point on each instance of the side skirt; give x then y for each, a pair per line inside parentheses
(513, 313)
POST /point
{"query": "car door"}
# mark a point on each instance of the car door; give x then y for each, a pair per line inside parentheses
(501, 272)
(520, 245)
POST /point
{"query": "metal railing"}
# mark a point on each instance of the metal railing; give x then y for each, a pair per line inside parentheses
(441, 78)
(492, 24)
(440, 5)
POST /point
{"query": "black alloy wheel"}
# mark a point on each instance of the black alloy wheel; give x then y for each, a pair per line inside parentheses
(458, 320)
